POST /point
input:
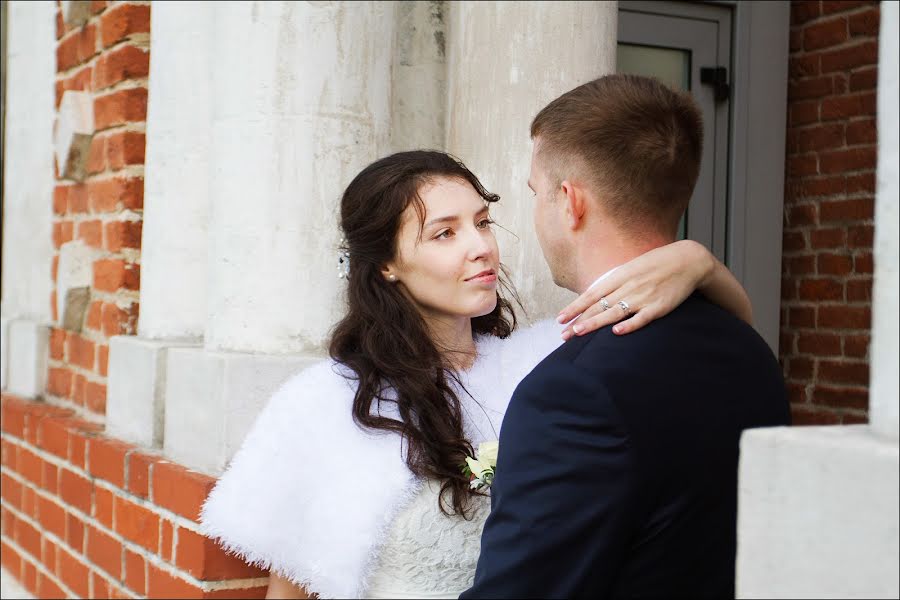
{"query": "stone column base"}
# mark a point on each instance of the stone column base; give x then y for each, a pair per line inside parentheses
(212, 399)
(23, 357)
(817, 513)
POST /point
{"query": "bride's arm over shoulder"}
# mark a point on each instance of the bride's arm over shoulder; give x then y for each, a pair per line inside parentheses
(280, 587)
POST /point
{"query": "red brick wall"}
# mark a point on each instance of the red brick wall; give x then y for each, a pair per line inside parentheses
(109, 57)
(829, 210)
(87, 516)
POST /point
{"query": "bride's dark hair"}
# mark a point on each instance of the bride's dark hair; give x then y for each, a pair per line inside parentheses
(384, 340)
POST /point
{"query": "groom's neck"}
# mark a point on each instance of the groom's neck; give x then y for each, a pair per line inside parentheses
(598, 255)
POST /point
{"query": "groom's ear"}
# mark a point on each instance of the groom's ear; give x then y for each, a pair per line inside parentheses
(574, 203)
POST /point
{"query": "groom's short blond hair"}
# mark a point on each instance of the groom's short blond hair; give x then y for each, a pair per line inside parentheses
(636, 140)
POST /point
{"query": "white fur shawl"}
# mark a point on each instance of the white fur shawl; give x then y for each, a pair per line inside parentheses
(312, 496)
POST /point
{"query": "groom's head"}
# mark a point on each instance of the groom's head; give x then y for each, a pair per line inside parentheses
(614, 161)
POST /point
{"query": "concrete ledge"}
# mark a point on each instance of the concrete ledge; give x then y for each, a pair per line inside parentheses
(25, 354)
(212, 399)
(818, 514)
(135, 403)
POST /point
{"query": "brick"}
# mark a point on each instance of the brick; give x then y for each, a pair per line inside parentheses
(803, 214)
(109, 274)
(821, 344)
(861, 236)
(840, 83)
(861, 132)
(838, 6)
(122, 21)
(62, 232)
(847, 210)
(828, 238)
(844, 317)
(60, 199)
(106, 460)
(57, 343)
(13, 417)
(76, 490)
(801, 316)
(95, 397)
(167, 535)
(50, 478)
(800, 166)
(137, 524)
(102, 360)
(796, 42)
(801, 265)
(854, 419)
(100, 585)
(134, 572)
(864, 79)
(865, 23)
(180, 490)
(793, 241)
(54, 267)
(862, 263)
(48, 554)
(74, 574)
(205, 560)
(9, 558)
(103, 507)
(804, 10)
(861, 182)
(830, 135)
(802, 415)
(78, 389)
(860, 55)
(162, 585)
(844, 372)
(97, 155)
(60, 382)
(77, 47)
(29, 579)
(803, 66)
(856, 346)
(10, 455)
(11, 491)
(120, 107)
(810, 88)
(859, 290)
(825, 33)
(92, 321)
(74, 532)
(123, 234)
(91, 232)
(28, 538)
(48, 587)
(98, 6)
(29, 502)
(30, 466)
(80, 351)
(800, 368)
(820, 289)
(104, 551)
(53, 436)
(52, 517)
(110, 195)
(125, 148)
(139, 465)
(124, 62)
(834, 264)
(803, 113)
(841, 108)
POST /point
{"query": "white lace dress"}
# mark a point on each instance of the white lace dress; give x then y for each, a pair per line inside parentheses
(428, 554)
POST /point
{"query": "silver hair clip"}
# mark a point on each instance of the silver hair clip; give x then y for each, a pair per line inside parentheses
(343, 260)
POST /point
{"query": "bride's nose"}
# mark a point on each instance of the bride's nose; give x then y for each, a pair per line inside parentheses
(479, 246)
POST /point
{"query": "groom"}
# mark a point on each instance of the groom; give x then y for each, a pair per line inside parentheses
(617, 472)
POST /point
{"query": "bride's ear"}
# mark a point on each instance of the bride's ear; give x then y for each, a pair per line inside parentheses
(388, 273)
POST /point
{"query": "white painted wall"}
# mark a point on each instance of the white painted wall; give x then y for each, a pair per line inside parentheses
(884, 390)
(176, 180)
(506, 61)
(28, 169)
(302, 103)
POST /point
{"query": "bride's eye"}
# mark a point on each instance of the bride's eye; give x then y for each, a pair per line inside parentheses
(485, 223)
(444, 235)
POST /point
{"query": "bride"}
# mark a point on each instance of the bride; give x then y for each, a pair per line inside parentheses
(350, 481)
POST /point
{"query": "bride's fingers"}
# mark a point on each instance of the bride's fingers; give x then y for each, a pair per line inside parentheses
(639, 320)
(595, 317)
(591, 296)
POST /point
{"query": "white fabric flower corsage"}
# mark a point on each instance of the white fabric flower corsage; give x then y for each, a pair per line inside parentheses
(480, 470)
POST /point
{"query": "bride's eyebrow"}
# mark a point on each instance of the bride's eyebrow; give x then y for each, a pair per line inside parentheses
(447, 219)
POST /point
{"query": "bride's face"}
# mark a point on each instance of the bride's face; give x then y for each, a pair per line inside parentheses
(449, 267)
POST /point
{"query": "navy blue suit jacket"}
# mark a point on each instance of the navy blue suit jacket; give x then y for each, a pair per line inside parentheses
(617, 472)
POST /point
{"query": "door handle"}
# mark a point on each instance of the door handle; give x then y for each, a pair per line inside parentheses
(718, 78)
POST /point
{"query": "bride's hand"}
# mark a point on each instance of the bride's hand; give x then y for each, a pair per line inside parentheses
(653, 285)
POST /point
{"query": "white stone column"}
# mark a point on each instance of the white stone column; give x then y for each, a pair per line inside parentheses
(28, 196)
(301, 102)
(817, 511)
(506, 61)
(176, 214)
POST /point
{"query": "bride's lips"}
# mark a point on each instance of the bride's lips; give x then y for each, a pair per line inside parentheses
(487, 276)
